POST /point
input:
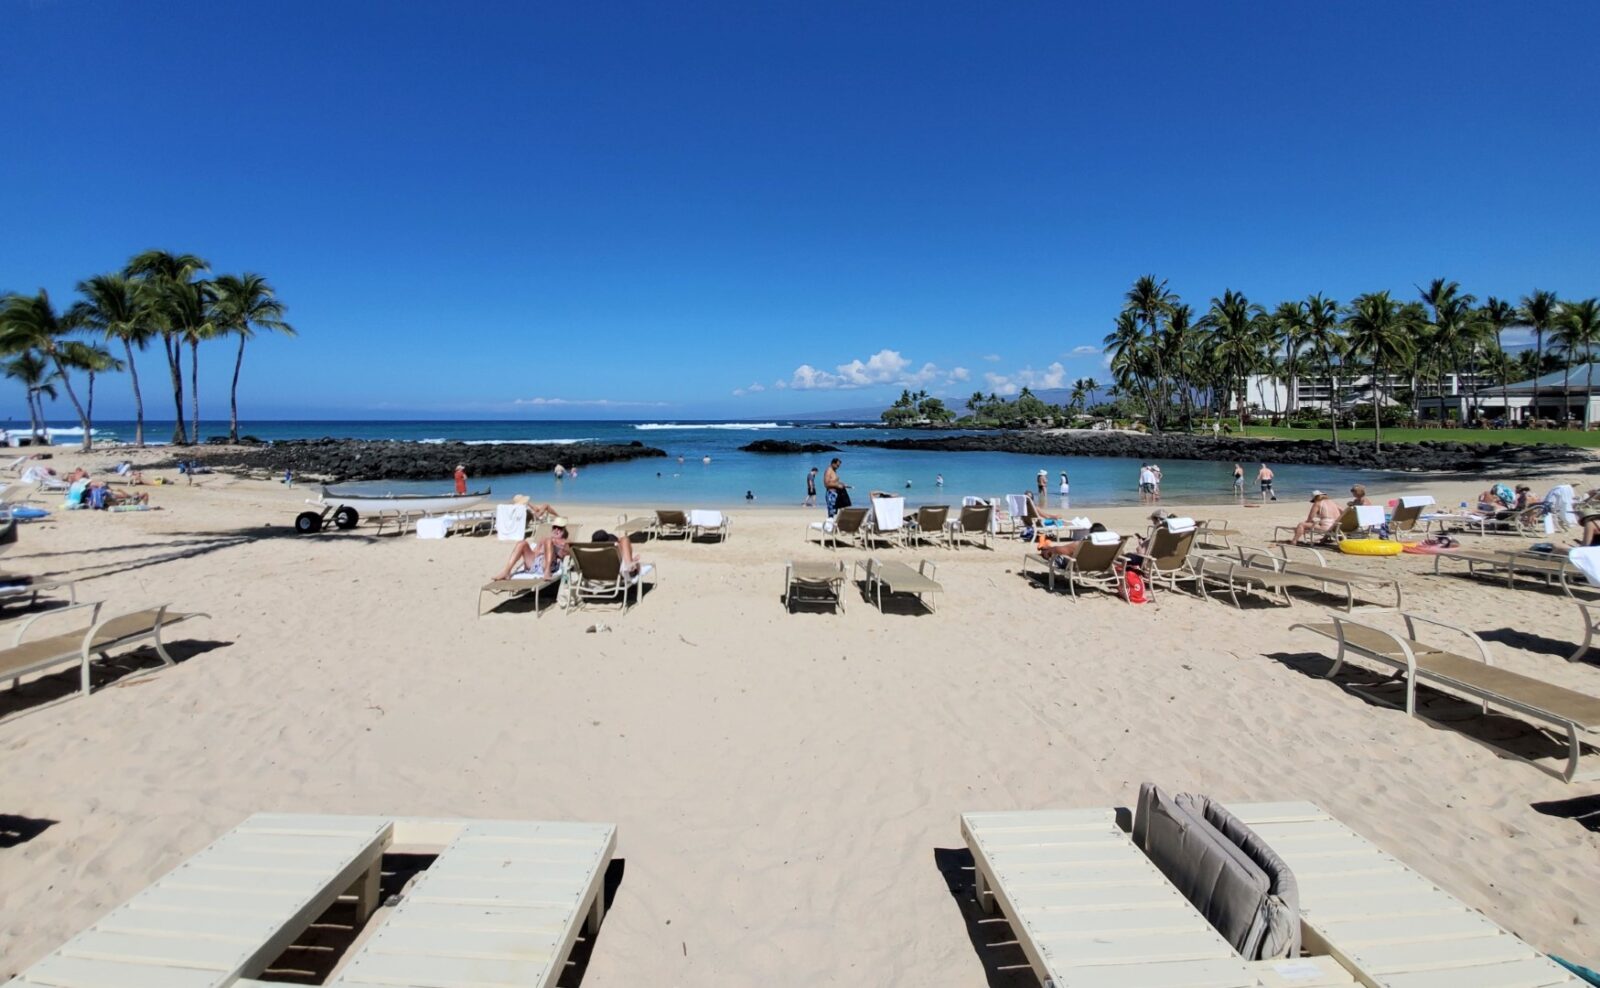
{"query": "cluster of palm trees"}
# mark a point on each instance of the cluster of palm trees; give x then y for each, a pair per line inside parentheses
(158, 297)
(1171, 362)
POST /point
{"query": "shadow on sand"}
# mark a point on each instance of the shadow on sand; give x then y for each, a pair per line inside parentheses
(16, 830)
(126, 669)
(1004, 964)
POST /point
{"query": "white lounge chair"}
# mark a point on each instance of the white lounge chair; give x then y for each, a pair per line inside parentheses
(98, 637)
(704, 522)
(1547, 705)
(1385, 922)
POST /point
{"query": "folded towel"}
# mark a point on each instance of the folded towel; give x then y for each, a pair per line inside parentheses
(1588, 560)
(705, 519)
(1105, 538)
(432, 528)
(1416, 501)
(1369, 516)
(1178, 526)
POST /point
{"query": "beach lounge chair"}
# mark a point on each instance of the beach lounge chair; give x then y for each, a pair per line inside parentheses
(1234, 576)
(1591, 624)
(1216, 532)
(99, 637)
(972, 525)
(1408, 514)
(1546, 705)
(1095, 565)
(705, 523)
(813, 583)
(1552, 567)
(669, 524)
(1167, 560)
(1348, 526)
(1089, 909)
(17, 587)
(19, 493)
(928, 524)
(845, 526)
(1318, 574)
(897, 577)
(502, 903)
(887, 520)
(594, 573)
(517, 586)
(1384, 922)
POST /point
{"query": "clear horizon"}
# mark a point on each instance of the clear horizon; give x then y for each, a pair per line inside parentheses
(714, 212)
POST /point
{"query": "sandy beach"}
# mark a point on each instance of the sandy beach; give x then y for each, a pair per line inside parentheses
(786, 787)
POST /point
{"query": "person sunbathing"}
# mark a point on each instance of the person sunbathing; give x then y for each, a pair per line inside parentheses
(538, 560)
(1320, 520)
(536, 512)
(1052, 552)
(1591, 532)
(630, 562)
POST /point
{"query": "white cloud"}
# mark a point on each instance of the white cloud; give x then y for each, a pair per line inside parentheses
(959, 374)
(1005, 385)
(993, 358)
(883, 367)
(780, 385)
(1000, 385)
(1084, 351)
(750, 389)
(586, 403)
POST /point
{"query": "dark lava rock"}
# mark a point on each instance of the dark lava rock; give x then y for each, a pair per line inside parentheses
(1432, 456)
(362, 459)
(784, 446)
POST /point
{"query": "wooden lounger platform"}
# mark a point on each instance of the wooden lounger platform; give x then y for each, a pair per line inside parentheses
(1546, 704)
(500, 906)
(1089, 909)
(1382, 920)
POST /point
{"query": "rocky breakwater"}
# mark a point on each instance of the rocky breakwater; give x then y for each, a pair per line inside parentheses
(1441, 455)
(784, 446)
(338, 460)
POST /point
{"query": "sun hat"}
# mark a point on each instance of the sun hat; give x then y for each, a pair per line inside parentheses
(1318, 494)
(519, 499)
(559, 521)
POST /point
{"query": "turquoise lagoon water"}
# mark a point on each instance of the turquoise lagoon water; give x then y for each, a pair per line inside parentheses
(780, 479)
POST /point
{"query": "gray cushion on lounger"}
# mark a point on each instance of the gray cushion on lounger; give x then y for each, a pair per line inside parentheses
(1218, 878)
(1281, 911)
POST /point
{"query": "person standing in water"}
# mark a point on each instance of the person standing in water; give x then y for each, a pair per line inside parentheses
(938, 480)
(1264, 475)
(1238, 480)
(1062, 490)
(811, 490)
(461, 478)
(1043, 483)
(561, 471)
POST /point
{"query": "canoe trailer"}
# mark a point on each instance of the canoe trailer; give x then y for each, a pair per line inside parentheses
(345, 510)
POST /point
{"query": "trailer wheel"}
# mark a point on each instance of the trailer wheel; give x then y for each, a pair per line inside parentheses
(308, 523)
(346, 518)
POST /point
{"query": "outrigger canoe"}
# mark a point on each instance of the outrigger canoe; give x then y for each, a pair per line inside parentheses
(346, 509)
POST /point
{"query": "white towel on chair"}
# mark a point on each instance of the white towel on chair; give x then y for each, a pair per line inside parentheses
(432, 528)
(1177, 526)
(1588, 560)
(888, 513)
(511, 522)
(1369, 515)
(1017, 505)
(1416, 501)
(1105, 538)
(705, 519)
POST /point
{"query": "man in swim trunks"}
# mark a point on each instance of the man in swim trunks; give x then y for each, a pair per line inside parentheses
(1264, 475)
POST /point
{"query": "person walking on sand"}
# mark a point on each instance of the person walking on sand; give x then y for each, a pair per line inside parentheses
(1264, 475)
(1238, 480)
(835, 491)
(1062, 490)
(461, 478)
(811, 490)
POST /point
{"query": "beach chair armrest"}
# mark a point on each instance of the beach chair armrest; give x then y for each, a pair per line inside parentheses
(94, 616)
(1412, 619)
(1248, 555)
(927, 568)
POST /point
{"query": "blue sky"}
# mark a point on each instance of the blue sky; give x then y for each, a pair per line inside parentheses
(638, 210)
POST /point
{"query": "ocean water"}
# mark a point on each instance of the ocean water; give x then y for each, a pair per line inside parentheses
(685, 478)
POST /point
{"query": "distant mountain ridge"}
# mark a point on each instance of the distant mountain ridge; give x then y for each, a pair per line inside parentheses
(871, 413)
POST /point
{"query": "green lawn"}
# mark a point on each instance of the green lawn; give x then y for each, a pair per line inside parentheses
(1570, 438)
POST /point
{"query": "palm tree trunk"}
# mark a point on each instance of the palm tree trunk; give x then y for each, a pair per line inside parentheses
(1538, 368)
(33, 414)
(233, 395)
(1333, 404)
(194, 384)
(1377, 410)
(174, 351)
(1588, 387)
(138, 399)
(77, 406)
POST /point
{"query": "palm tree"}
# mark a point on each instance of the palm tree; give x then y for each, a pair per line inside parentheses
(162, 273)
(1231, 321)
(1321, 334)
(1178, 344)
(1129, 350)
(92, 359)
(1377, 329)
(1451, 317)
(1580, 328)
(30, 322)
(1289, 321)
(1497, 315)
(1149, 302)
(1090, 385)
(189, 309)
(36, 377)
(112, 306)
(1075, 399)
(1538, 313)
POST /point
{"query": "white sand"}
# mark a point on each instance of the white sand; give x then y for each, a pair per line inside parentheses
(786, 787)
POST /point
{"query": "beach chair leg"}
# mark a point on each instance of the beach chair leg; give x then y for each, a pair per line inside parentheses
(597, 913)
(980, 890)
(1588, 639)
(365, 891)
(1574, 749)
(161, 649)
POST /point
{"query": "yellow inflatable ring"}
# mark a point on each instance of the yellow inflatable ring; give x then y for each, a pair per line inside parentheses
(1371, 547)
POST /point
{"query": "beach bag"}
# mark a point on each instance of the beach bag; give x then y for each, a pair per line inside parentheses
(843, 499)
(1133, 590)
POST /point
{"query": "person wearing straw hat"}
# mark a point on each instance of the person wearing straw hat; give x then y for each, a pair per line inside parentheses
(538, 560)
(536, 512)
(1324, 514)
